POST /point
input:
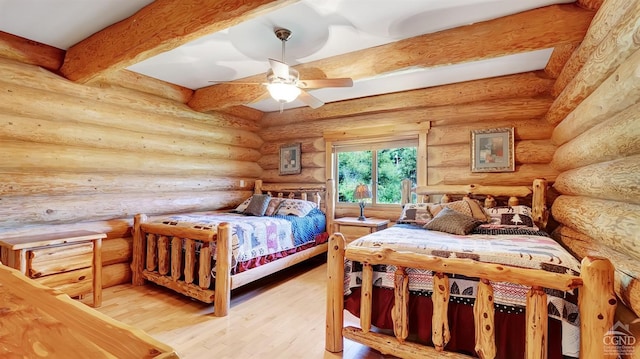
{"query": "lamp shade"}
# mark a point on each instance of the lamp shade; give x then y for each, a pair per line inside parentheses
(362, 192)
(283, 93)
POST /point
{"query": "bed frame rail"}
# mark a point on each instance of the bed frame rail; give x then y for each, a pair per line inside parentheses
(597, 302)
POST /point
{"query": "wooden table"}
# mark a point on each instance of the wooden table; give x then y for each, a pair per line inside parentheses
(40, 322)
(18, 252)
(373, 224)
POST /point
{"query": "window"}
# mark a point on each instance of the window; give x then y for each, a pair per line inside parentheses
(380, 166)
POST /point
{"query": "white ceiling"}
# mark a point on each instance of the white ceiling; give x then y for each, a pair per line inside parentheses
(321, 28)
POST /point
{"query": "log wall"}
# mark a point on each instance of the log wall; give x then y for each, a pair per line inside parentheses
(598, 137)
(520, 101)
(90, 157)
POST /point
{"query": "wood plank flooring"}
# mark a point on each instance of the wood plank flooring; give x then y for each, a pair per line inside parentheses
(282, 316)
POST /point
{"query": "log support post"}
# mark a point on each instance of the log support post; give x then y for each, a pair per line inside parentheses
(440, 319)
(366, 297)
(484, 314)
(222, 297)
(536, 333)
(335, 293)
(139, 248)
(597, 302)
(400, 310)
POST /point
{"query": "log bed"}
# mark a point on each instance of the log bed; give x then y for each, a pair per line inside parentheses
(160, 257)
(596, 297)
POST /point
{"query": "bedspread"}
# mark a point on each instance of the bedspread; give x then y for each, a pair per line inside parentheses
(521, 250)
(254, 237)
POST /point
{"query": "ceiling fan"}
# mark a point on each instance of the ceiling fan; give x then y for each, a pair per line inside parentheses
(284, 83)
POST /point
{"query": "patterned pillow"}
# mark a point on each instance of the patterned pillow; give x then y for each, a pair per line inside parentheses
(274, 205)
(296, 207)
(477, 210)
(458, 206)
(258, 205)
(242, 206)
(415, 213)
(511, 217)
(450, 221)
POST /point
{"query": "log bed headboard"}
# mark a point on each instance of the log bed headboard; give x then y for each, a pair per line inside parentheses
(538, 191)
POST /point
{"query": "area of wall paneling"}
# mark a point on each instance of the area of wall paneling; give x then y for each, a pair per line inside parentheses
(91, 157)
(597, 112)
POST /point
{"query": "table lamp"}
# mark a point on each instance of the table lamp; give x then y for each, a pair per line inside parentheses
(362, 192)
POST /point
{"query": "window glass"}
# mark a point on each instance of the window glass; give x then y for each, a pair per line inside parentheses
(381, 167)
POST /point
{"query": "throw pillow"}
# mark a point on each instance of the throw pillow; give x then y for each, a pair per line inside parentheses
(274, 205)
(453, 222)
(512, 216)
(415, 213)
(242, 206)
(258, 205)
(458, 206)
(296, 207)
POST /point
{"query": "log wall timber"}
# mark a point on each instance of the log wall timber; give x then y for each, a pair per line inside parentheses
(452, 116)
(91, 156)
(598, 134)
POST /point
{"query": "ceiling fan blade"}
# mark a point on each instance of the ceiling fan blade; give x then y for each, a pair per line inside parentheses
(315, 84)
(264, 96)
(236, 83)
(309, 100)
(280, 69)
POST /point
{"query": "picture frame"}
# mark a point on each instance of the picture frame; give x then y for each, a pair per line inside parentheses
(492, 150)
(290, 159)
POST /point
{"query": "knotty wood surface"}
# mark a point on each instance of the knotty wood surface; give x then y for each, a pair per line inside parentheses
(281, 316)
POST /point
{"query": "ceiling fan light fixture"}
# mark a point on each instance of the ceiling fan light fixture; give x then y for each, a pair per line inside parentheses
(283, 93)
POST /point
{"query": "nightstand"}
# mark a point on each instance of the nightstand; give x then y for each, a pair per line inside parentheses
(63, 260)
(371, 224)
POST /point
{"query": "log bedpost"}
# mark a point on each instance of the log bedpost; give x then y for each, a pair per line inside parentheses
(539, 210)
(257, 187)
(597, 303)
(335, 293)
(222, 296)
(406, 191)
(139, 249)
(330, 204)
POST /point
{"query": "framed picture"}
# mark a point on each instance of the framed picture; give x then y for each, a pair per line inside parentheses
(492, 150)
(290, 159)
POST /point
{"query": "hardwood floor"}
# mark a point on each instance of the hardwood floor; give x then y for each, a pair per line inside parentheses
(282, 316)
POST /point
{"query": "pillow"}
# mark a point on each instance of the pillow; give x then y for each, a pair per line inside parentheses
(453, 222)
(274, 205)
(296, 207)
(242, 206)
(258, 205)
(477, 210)
(458, 206)
(415, 213)
(512, 217)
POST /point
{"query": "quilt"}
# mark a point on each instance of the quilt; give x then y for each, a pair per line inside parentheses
(253, 236)
(527, 249)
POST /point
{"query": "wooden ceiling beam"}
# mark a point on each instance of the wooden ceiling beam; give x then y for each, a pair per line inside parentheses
(527, 31)
(530, 84)
(158, 27)
(30, 52)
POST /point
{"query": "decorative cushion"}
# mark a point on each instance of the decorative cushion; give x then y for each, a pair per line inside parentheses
(415, 213)
(296, 207)
(511, 216)
(274, 205)
(242, 206)
(458, 206)
(258, 205)
(450, 221)
(477, 210)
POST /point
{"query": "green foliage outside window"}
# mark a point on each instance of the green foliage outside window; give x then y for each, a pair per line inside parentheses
(393, 165)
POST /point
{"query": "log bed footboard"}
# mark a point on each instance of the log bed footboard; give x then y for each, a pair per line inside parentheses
(596, 302)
